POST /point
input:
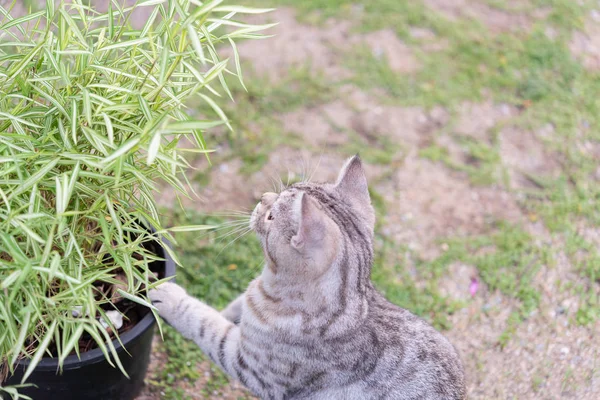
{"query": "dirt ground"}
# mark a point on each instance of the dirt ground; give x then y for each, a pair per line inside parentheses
(548, 356)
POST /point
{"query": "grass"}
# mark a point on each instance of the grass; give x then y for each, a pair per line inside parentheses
(528, 70)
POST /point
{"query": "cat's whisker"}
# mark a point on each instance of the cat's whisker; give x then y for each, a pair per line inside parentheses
(230, 226)
(289, 177)
(280, 183)
(303, 179)
(310, 178)
(232, 232)
(234, 216)
(237, 218)
(236, 225)
(274, 182)
(235, 239)
(221, 230)
(232, 212)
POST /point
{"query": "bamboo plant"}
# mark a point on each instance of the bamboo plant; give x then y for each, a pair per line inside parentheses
(91, 113)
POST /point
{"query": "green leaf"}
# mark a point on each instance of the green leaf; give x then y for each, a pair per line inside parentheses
(135, 299)
(21, 339)
(130, 144)
(74, 339)
(91, 113)
(41, 349)
(190, 228)
(193, 35)
(190, 125)
(243, 10)
(217, 109)
(154, 147)
(35, 178)
(238, 66)
(10, 279)
(125, 44)
(150, 3)
(19, 21)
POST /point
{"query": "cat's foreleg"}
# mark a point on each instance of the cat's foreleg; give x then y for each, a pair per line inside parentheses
(214, 334)
(233, 312)
(218, 337)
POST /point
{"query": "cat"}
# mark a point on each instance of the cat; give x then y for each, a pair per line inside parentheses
(312, 326)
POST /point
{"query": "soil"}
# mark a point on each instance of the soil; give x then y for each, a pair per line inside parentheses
(526, 158)
(495, 20)
(586, 44)
(295, 45)
(386, 45)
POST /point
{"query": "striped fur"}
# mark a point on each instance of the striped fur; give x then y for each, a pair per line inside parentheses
(312, 326)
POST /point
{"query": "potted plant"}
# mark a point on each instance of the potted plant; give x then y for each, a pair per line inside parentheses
(91, 114)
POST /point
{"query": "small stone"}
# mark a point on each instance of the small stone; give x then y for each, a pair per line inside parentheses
(378, 52)
(76, 311)
(115, 317)
(564, 350)
(539, 347)
(407, 216)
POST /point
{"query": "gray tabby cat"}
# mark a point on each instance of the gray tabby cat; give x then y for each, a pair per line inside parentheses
(312, 326)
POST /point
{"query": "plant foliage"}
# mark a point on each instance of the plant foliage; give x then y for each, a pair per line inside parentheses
(91, 113)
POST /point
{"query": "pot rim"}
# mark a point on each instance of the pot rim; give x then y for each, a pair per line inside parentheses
(95, 355)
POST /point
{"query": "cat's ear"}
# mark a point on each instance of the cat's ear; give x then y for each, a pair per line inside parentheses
(311, 227)
(352, 182)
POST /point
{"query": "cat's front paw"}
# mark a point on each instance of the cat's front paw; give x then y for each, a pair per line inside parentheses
(166, 298)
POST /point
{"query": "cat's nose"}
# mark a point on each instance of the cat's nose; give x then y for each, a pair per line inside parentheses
(268, 199)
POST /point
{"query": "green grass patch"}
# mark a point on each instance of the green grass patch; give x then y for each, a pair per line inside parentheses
(481, 160)
(507, 260)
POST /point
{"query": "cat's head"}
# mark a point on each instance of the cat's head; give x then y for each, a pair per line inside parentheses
(308, 226)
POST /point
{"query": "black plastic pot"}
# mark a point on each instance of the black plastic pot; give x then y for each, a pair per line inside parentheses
(92, 377)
